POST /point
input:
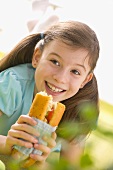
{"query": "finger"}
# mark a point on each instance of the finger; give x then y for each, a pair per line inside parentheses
(26, 128)
(22, 135)
(38, 158)
(54, 135)
(43, 148)
(50, 141)
(14, 141)
(26, 119)
(45, 152)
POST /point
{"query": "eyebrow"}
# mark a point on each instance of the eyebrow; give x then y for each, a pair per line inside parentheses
(56, 54)
(80, 65)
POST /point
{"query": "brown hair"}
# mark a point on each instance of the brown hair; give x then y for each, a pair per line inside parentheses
(76, 35)
(81, 113)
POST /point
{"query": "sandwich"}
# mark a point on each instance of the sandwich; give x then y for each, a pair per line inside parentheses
(44, 109)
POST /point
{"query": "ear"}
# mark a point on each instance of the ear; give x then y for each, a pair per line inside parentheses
(88, 78)
(36, 57)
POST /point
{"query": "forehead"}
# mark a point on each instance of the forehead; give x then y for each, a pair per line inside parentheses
(63, 49)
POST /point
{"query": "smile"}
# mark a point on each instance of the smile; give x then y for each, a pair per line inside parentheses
(53, 88)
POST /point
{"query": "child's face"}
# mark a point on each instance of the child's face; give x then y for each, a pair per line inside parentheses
(60, 70)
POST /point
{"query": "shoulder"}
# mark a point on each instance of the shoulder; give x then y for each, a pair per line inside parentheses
(10, 91)
(23, 71)
(13, 84)
(12, 77)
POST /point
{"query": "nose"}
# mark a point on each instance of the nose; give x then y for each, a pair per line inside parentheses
(61, 76)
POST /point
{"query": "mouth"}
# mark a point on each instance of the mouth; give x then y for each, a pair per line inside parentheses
(54, 89)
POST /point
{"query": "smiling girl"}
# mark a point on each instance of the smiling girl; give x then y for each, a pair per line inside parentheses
(60, 61)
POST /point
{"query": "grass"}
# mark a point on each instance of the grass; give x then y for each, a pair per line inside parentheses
(100, 141)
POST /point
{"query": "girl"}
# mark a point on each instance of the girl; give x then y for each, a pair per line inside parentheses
(60, 61)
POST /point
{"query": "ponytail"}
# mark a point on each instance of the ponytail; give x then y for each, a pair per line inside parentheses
(22, 52)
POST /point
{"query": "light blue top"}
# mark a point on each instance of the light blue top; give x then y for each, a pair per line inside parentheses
(16, 94)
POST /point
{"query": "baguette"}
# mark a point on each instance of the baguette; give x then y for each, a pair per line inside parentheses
(42, 108)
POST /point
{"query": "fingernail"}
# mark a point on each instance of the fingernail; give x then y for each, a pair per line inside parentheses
(35, 141)
(34, 122)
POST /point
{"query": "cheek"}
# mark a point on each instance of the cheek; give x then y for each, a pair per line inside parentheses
(38, 75)
(41, 72)
(39, 80)
(75, 86)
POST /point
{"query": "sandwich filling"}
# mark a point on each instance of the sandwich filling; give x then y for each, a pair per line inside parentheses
(51, 107)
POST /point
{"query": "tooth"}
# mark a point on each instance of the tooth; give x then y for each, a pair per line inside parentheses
(53, 88)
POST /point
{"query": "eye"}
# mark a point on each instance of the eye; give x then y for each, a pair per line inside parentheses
(75, 72)
(55, 62)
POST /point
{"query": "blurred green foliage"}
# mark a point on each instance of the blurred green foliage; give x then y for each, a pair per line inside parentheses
(2, 165)
(99, 142)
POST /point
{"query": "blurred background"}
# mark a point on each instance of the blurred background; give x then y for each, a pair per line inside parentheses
(19, 18)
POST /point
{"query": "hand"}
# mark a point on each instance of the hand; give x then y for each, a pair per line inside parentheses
(22, 129)
(45, 149)
(41, 159)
